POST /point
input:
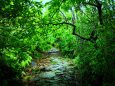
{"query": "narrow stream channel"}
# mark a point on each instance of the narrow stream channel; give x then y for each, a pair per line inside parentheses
(53, 71)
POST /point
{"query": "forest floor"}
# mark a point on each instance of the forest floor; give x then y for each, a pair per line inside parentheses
(51, 71)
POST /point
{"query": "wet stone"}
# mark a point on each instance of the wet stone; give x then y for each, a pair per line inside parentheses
(47, 74)
(59, 72)
(35, 79)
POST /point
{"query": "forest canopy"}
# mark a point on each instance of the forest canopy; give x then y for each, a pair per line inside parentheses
(82, 30)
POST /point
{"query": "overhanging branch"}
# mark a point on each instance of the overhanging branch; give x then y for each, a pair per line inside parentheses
(91, 4)
(66, 23)
(74, 27)
(98, 5)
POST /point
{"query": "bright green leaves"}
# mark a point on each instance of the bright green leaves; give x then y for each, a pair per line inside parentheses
(65, 41)
(26, 31)
(16, 58)
(19, 32)
(26, 59)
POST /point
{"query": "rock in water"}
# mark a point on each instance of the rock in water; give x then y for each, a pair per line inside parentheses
(33, 63)
(47, 74)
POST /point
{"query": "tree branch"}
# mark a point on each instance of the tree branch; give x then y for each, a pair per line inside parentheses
(98, 5)
(88, 3)
(61, 23)
(74, 27)
(63, 15)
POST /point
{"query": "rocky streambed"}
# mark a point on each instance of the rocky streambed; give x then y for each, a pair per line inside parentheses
(52, 71)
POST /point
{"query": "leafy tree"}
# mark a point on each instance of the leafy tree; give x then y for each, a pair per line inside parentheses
(87, 21)
(81, 29)
(21, 35)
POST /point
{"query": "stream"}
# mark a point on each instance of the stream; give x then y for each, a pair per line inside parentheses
(51, 71)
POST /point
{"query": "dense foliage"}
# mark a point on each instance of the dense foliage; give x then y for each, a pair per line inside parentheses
(81, 29)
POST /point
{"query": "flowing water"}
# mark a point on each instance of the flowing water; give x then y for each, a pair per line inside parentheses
(52, 71)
